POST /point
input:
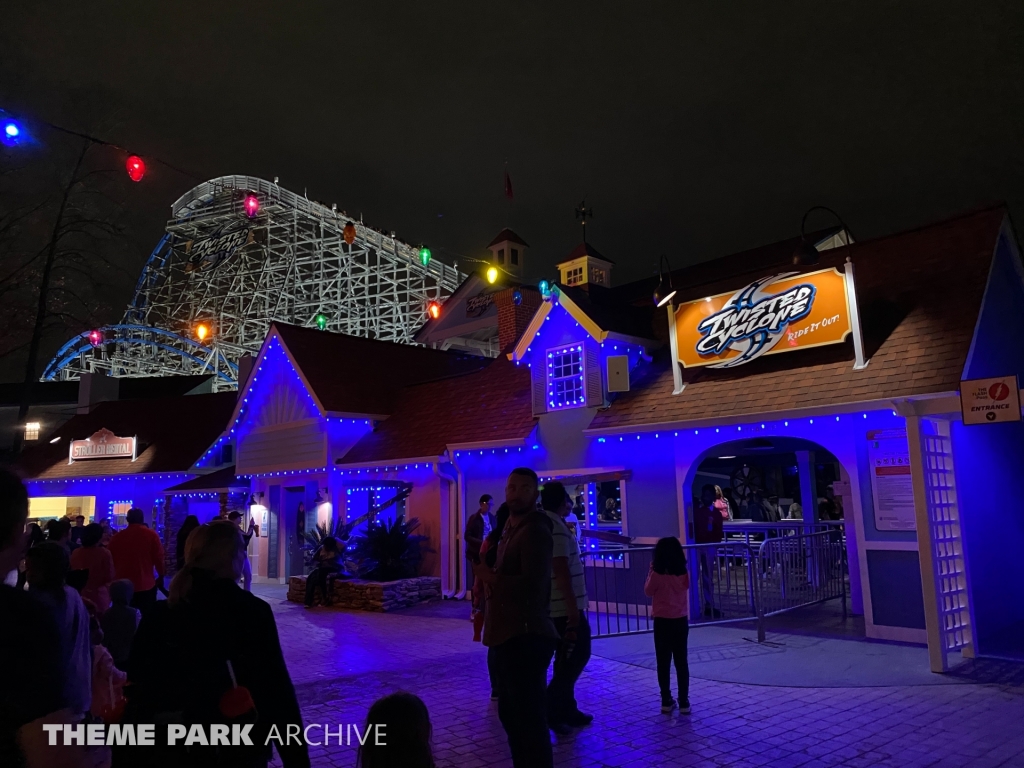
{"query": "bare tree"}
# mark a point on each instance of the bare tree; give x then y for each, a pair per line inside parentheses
(62, 239)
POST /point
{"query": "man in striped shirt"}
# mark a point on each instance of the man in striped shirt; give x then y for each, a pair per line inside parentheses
(568, 613)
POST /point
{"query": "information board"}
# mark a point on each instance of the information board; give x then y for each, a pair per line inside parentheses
(892, 487)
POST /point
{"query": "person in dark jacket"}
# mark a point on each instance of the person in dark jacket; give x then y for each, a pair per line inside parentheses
(707, 529)
(518, 624)
(208, 654)
(190, 524)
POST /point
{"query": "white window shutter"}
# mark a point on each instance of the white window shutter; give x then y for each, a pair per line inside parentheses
(592, 368)
(540, 387)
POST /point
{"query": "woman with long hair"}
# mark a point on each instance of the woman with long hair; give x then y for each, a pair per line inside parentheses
(190, 524)
(668, 586)
(208, 654)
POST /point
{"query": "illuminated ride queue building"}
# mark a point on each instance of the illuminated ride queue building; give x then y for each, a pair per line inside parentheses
(843, 372)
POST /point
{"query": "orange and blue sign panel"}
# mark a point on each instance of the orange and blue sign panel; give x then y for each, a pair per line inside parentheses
(778, 313)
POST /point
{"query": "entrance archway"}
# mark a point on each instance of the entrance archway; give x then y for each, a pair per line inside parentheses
(786, 499)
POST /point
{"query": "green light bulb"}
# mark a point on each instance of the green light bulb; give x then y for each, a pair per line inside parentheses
(424, 256)
(321, 321)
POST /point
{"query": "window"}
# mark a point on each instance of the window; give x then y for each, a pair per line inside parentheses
(32, 430)
(501, 255)
(117, 513)
(597, 276)
(574, 276)
(514, 257)
(565, 377)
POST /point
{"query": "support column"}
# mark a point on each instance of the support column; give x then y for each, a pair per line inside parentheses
(808, 491)
(852, 550)
(936, 655)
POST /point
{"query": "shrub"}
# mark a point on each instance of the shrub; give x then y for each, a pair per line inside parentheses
(388, 550)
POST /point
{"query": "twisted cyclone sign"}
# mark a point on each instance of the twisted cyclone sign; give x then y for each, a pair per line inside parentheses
(779, 313)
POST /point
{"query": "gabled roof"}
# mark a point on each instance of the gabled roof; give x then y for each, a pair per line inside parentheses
(172, 434)
(600, 322)
(222, 481)
(584, 249)
(350, 374)
(508, 235)
(614, 316)
(493, 404)
(919, 293)
(456, 319)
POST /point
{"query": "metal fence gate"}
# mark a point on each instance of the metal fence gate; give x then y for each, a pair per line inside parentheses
(730, 581)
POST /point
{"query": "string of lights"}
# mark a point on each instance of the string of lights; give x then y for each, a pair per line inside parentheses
(15, 132)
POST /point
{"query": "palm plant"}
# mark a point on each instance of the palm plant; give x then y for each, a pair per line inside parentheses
(388, 550)
(315, 538)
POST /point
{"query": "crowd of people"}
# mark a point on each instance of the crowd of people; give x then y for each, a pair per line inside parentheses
(114, 653)
(210, 652)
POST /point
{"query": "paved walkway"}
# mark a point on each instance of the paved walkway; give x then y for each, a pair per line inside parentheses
(342, 661)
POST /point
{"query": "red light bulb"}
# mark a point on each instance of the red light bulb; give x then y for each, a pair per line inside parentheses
(434, 309)
(135, 167)
(95, 338)
(252, 205)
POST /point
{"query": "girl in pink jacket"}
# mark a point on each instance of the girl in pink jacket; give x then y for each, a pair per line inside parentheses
(668, 586)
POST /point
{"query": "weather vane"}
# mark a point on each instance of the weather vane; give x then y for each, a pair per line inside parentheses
(581, 213)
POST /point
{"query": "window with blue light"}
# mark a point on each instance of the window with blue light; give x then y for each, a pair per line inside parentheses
(565, 377)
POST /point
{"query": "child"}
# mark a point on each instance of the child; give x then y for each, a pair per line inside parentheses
(668, 585)
(405, 741)
(107, 680)
(119, 622)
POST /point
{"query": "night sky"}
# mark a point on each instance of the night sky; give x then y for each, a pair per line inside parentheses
(691, 130)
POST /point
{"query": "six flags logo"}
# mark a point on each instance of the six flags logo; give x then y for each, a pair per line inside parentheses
(752, 321)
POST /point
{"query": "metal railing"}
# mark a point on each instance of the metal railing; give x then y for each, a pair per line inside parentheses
(730, 581)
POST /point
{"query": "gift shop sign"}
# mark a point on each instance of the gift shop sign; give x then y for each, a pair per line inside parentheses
(102, 445)
(779, 313)
(989, 401)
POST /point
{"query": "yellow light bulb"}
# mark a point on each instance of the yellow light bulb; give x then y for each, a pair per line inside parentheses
(492, 275)
(202, 331)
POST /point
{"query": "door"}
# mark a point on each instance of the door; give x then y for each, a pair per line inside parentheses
(273, 515)
(295, 529)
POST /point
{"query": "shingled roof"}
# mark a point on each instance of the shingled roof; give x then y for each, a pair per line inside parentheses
(172, 432)
(489, 405)
(508, 235)
(920, 294)
(350, 374)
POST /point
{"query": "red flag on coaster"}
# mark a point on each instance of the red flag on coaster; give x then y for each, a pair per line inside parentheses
(508, 187)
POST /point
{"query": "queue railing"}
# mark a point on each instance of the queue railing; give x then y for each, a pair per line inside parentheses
(730, 581)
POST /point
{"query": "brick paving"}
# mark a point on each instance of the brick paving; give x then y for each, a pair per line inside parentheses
(342, 661)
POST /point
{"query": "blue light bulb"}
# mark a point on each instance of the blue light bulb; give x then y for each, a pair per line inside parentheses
(11, 130)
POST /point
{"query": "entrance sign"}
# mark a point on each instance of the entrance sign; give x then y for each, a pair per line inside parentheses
(990, 401)
(892, 488)
(104, 444)
(779, 313)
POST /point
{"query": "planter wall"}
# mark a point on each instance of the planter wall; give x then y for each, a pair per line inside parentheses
(379, 596)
